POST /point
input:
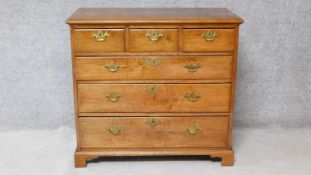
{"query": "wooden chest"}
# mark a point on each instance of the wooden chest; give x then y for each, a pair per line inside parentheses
(154, 82)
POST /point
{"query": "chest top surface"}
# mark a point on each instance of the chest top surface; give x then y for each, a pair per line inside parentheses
(153, 15)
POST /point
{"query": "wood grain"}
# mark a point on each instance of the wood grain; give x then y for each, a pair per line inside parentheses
(226, 155)
(170, 132)
(201, 81)
(85, 42)
(128, 46)
(138, 42)
(106, 53)
(169, 98)
(194, 42)
(169, 68)
(141, 114)
(234, 73)
(74, 83)
(153, 15)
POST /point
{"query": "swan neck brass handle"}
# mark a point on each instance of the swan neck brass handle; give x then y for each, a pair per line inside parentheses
(152, 90)
(115, 130)
(153, 61)
(192, 67)
(113, 67)
(192, 96)
(113, 97)
(100, 36)
(194, 129)
(210, 35)
(152, 123)
(154, 36)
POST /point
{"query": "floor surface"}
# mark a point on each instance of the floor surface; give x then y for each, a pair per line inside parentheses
(257, 152)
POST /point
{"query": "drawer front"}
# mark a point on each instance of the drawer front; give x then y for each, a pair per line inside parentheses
(99, 40)
(155, 132)
(154, 97)
(155, 68)
(153, 40)
(213, 40)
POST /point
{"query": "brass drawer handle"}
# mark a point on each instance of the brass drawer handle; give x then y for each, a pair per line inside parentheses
(154, 36)
(152, 123)
(115, 130)
(100, 36)
(192, 96)
(113, 97)
(209, 35)
(152, 90)
(153, 61)
(113, 67)
(192, 66)
(194, 129)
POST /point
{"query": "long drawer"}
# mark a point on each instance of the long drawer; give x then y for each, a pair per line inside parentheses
(154, 97)
(155, 68)
(155, 132)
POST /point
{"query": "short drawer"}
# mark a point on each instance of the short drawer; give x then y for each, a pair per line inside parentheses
(98, 40)
(155, 132)
(211, 40)
(153, 40)
(154, 97)
(155, 68)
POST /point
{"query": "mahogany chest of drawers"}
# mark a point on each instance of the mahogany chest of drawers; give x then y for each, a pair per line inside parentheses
(154, 82)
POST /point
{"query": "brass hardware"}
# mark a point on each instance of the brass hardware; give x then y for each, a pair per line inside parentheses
(113, 97)
(152, 90)
(154, 36)
(100, 36)
(113, 67)
(192, 66)
(193, 129)
(153, 61)
(115, 130)
(152, 122)
(209, 35)
(192, 96)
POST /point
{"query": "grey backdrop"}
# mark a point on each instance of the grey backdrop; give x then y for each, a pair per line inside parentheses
(274, 69)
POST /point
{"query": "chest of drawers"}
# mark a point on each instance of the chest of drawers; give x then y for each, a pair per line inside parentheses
(154, 82)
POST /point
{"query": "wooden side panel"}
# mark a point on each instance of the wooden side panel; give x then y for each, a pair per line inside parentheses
(85, 42)
(165, 98)
(234, 76)
(139, 42)
(168, 68)
(170, 132)
(193, 40)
